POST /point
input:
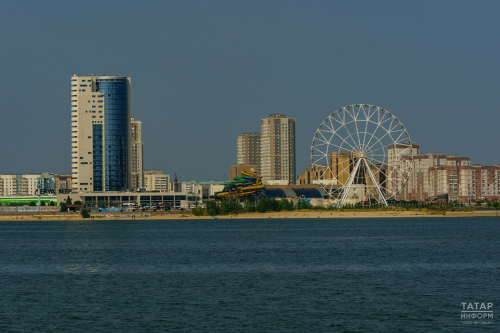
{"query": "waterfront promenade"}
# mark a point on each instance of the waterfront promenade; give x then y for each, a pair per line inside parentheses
(268, 215)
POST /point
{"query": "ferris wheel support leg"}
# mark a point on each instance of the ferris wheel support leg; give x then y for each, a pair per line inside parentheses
(343, 199)
(375, 183)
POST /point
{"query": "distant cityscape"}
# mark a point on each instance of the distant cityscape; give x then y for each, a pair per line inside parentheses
(107, 162)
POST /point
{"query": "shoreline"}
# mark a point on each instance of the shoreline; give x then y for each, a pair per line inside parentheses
(268, 215)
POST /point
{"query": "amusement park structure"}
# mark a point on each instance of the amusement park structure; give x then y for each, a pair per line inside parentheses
(363, 154)
(249, 183)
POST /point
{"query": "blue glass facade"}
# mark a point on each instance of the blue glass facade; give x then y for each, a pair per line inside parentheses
(116, 140)
(97, 156)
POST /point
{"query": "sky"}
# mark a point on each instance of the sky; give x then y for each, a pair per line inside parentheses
(204, 72)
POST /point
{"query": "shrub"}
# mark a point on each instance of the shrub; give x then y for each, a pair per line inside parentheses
(250, 208)
(64, 208)
(197, 211)
(211, 207)
(85, 213)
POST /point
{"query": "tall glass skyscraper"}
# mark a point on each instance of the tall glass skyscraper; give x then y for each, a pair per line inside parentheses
(100, 132)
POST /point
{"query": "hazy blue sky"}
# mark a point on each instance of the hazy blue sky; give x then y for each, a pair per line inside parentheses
(203, 72)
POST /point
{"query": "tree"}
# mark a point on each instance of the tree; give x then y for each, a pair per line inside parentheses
(85, 213)
(78, 202)
(64, 208)
(32, 203)
(42, 203)
(52, 203)
(68, 201)
(197, 211)
(250, 207)
(262, 205)
(212, 208)
(224, 208)
(286, 205)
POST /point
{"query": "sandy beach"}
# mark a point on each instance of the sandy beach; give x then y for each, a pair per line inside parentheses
(268, 215)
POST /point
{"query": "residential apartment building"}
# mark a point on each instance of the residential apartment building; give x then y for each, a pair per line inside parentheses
(248, 149)
(465, 183)
(399, 162)
(426, 179)
(100, 133)
(235, 170)
(21, 185)
(63, 182)
(156, 181)
(136, 155)
(277, 152)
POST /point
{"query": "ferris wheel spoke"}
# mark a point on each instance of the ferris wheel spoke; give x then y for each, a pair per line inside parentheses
(379, 140)
(373, 159)
(366, 126)
(320, 144)
(342, 167)
(344, 125)
(374, 150)
(368, 121)
(344, 141)
(396, 141)
(376, 129)
(350, 135)
(357, 132)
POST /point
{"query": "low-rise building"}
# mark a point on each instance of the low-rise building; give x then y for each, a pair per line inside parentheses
(156, 181)
(205, 189)
(117, 199)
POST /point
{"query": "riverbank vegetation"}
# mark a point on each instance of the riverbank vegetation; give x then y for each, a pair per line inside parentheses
(264, 205)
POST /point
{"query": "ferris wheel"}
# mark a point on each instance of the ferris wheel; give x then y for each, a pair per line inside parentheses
(362, 153)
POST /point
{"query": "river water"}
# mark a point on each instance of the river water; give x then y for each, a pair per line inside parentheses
(277, 275)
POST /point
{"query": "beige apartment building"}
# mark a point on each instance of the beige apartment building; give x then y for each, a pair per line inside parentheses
(136, 155)
(398, 163)
(20, 185)
(427, 177)
(156, 181)
(235, 170)
(100, 133)
(63, 182)
(277, 161)
(248, 149)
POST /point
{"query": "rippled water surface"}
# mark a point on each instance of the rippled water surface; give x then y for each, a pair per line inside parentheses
(303, 275)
